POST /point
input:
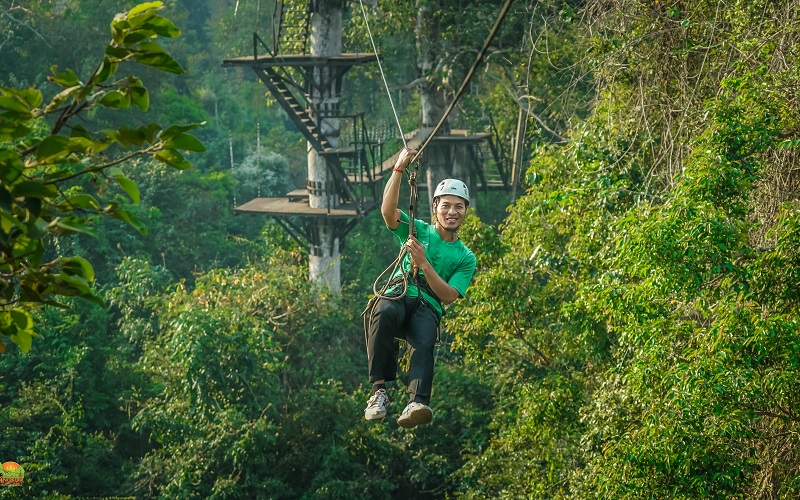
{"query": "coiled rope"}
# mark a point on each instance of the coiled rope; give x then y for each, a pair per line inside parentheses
(397, 263)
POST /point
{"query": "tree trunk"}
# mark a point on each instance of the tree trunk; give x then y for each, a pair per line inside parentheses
(326, 40)
(442, 161)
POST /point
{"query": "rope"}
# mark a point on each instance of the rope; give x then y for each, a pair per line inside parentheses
(397, 263)
(383, 76)
(471, 72)
(412, 176)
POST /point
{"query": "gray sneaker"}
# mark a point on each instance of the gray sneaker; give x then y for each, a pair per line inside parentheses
(376, 406)
(415, 414)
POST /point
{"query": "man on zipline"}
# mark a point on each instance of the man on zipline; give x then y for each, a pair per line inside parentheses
(445, 267)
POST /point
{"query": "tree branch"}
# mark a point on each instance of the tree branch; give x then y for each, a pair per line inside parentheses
(150, 150)
(39, 35)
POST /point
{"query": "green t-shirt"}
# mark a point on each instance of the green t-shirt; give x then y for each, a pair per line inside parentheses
(452, 260)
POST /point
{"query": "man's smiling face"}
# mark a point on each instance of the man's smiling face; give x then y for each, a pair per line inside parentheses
(450, 211)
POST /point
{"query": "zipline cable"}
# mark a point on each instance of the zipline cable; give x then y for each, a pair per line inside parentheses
(397, 263)
(383, 76)
(471, 72)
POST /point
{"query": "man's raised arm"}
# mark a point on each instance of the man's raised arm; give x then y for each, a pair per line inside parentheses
(391, 193)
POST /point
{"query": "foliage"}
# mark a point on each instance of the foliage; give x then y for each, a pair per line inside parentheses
(709, 352)
(63, 411)
(38, 164)
(240, 375)
(262, 173)
(642, 306)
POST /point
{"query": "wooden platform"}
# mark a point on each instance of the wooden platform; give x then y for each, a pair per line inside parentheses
(295, 204)
(414, 140)
(300, 194)
(300, 60)
(285, 207)
(458, 135)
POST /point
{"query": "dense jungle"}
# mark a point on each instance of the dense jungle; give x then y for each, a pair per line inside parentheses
(631, 331)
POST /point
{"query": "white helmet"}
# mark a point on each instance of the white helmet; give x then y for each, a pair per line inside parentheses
(454, 187)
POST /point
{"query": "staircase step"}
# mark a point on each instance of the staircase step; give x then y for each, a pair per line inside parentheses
(297, 195)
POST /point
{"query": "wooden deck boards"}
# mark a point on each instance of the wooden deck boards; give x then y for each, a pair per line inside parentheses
(462, 136)
(300, 60)
(414, 140)
(282, 206)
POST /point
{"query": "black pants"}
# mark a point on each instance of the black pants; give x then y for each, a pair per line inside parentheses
(415, 321)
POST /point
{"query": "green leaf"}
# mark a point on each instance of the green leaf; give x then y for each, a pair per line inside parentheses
(173, 159)
(77, 266)
(53, 149)
(151, 47)
(21, 319)
(15, 105)
(66, 79)
(175, 130)
(118, 28)
(126, 184)
(136, 136)
(118, 52)
(79, 130)
(10, 167)
(81, 200)
(39, 228)
(68, 284)
(160, 61)
(134, 37)
(34, 208)
(5, 319)
(116, 100)
(21, 329)
(162, 27)
(8, 221)
(23, 339)
(140, 98)
(187, 142)
(72, 225)
(31, 96)
(33, 189)
(128, 218)
(85, 145)
(106, 70)
(144, 7)
(27, 247)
